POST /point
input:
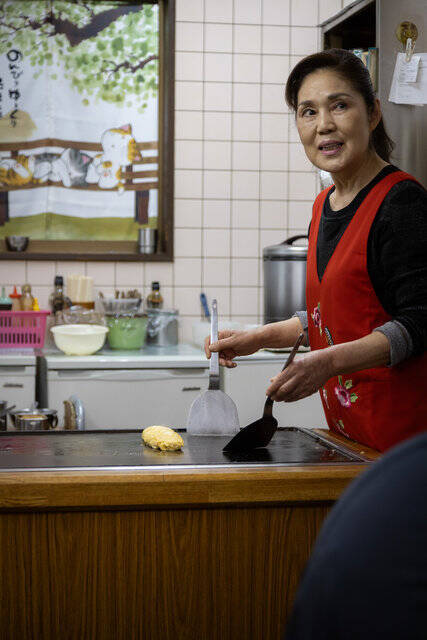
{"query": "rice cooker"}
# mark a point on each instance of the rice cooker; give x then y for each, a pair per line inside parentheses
(285, 267)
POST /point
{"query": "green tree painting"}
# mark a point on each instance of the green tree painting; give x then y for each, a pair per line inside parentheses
(109, 49)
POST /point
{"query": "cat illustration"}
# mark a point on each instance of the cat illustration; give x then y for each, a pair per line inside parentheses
(70, 168)
(118, 150)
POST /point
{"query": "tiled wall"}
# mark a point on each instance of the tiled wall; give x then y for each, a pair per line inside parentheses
(242, 181)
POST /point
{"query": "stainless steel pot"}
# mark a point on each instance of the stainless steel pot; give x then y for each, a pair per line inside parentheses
(162, 327)
(31, 422)
(285, 267)
(50, 414)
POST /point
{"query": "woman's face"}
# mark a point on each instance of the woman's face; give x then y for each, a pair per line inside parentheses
(333, 122)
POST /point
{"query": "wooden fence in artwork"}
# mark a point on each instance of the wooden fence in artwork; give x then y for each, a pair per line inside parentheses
(135, 178)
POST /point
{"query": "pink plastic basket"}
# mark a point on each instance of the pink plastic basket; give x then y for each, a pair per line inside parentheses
(22, 329)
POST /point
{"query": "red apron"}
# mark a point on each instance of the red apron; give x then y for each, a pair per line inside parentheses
(378, 407)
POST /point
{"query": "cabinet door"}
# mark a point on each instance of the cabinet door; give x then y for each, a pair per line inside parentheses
(17, 385)
(128, 398)
(246, 384)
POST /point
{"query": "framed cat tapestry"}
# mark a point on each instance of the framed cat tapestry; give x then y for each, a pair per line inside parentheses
(86, 127)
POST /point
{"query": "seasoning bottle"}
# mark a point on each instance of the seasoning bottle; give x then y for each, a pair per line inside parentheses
(16, 300)
(5, 301)
(36, 305)
(27, 299)
(154, 299)
(57, 299)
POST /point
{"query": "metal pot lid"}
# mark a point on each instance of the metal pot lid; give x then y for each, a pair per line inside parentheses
(287, 250)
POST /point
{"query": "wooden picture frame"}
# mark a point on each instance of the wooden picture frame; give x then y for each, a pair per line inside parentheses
(126, 251)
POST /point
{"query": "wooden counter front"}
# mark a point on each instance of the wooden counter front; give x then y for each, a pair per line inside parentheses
(158, 555)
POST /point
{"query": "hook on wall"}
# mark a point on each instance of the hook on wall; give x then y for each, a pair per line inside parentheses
(407, 33)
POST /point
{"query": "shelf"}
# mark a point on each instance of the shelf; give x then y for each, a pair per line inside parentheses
(352, 28)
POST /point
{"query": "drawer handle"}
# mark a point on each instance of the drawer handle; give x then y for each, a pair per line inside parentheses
(191, 388)
(15, 385)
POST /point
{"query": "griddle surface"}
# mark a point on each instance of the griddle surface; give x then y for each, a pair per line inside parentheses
(124, 449)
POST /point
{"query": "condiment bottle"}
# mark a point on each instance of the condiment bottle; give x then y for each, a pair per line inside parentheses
(5, 301)
(36, 305)
(58, 301)
(27, 299)
(16, 300)
(155, 299)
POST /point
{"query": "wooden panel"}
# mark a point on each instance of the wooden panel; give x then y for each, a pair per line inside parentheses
(179, 574)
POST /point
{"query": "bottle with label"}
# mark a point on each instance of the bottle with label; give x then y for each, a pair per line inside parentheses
(57, 299)
(155, 299)
(27, 299)
(16, 299)
(5, 301)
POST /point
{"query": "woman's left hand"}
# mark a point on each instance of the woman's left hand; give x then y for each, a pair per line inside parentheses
(302, 377)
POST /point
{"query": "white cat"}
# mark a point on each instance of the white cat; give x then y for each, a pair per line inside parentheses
(118, 151)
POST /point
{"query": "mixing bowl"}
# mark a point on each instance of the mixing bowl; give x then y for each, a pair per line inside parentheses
(79, 339)
(17, 243)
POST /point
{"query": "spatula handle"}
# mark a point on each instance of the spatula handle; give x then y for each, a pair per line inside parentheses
(214, 364)
(268, 407)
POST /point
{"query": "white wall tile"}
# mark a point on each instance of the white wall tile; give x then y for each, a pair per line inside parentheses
(101, 272)
(188, 213)
(189, 95)
(244, 243)
(275, 69)
(218, 11)
(217, 96)
(216, 272)
(273, 98)
(40, 273)
(247, 11)
(273, 214)
(247, 38)
(275, 40)
(245, 272)
(274, 127)
(299, 213)
(269, 237)
(217, 155)
(274, 156)
(246, 155)
(246, 126)
(276, 12)
(68, 267)
(246, 67)
(188, 66)
(187, 272)
(328, 8)
(217, 126)
(188, 184)
(188, 125)
(187, 301)
(216, 184)
(293, 131)
(304, 40)
(42, 294)
(189, 36)
(189, 10)
(222, 294)
(244, 301)
(218, 67)
(246, 97)
(216, 213)
(161, 271)
(187, 243)
(273, 185)
(188, 154)
(245, 184)
(216, 243)
(245, 214)
(12, 272)
(298, 160)
(218, 38)
(130, 274)
(304, 12)
(302, 186)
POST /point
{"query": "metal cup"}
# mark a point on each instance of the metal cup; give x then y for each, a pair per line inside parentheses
(147, 240)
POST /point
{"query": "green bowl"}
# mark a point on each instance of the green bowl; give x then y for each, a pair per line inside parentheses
(126, 332)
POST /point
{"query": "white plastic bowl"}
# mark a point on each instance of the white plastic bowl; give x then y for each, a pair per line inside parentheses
(79, 339)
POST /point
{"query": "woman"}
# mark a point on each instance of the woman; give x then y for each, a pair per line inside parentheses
(366, 267)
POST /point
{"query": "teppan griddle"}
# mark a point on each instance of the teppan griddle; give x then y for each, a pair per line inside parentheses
(124, 449)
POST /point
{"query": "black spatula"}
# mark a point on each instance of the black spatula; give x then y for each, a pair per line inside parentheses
(259, 433)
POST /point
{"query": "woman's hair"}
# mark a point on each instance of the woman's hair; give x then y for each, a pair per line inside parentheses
(352, 69)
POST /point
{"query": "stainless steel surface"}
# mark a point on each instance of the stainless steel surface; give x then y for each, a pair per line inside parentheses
(285, 267)
(51, 415)
(17, 243)
(162, 328)
(147, 240)
(124, 450)
(31, 422)
(213, 412)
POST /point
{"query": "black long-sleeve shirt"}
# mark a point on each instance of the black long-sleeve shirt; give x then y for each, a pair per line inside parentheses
(396, 253)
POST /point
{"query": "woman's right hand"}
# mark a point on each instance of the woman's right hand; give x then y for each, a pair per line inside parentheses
(231, 344)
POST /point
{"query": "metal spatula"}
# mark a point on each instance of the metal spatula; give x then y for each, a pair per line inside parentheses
(213, 412)
(260, 432)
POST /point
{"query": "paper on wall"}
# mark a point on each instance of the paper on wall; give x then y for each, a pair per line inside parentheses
(409, 83)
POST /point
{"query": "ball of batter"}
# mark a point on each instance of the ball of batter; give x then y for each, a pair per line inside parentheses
(163, 438)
